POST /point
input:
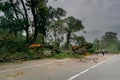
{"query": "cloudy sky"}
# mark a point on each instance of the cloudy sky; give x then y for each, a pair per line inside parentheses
(98, 16)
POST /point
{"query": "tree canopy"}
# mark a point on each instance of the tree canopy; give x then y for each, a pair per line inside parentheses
(110, 41)
(26, 14)
(73, 25)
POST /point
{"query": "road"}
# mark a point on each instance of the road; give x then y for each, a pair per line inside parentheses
(67, 69)
(107, 70)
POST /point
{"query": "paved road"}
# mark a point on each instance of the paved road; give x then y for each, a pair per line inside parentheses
(63, 70)
(109, 70)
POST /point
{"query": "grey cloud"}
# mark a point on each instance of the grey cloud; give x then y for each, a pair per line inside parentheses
(98, 16)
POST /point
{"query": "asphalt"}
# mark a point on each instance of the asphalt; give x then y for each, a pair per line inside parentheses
(108, 70)
(63, 69)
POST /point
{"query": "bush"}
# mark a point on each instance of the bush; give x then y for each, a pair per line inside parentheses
(60, 56)
(67, 55)
(91, 50)
(76, 55)
(34, 54)
(18, 56)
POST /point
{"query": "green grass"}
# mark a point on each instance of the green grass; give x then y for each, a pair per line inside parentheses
(60, 56)
(75, 55)
(67, 55)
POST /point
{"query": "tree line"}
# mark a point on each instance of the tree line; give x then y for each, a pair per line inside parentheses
(109, 41)
(26, 22)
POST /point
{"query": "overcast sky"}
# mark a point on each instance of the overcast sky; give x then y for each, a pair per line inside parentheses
(98, 16)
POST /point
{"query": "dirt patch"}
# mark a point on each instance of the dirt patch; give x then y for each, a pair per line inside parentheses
(13, 74)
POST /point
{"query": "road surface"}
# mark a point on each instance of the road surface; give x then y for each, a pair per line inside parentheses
(67, 69)
(106, 70)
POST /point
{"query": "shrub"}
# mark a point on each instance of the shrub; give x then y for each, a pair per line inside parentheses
(60, 56)
(76, 55)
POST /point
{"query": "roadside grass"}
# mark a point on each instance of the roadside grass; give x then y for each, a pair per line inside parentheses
(78, 56)
(67, 55)
(60, 56)
(33, 55)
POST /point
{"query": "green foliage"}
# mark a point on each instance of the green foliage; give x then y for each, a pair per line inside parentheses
(77, 40)
(67, 55)
(88, 45)
(110, 42)
(96, 44)
(17, 17)
(10, 57)
(91, 50)
(55, 34)
(60, 56)
(76, 55)
(28, 55)
(34, 53)
(74, 25)
(39, 38)
(11, 43)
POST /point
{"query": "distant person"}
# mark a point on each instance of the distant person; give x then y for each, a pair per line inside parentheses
(103, 51)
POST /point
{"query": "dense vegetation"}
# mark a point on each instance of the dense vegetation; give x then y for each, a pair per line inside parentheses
(109, 41)
(27, 22)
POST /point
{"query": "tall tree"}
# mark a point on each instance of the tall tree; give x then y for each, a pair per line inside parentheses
(57, 32)
(110, 41)
(96, 44)
(10, 20)
(42, 16)
(73, 25)
(26, 14)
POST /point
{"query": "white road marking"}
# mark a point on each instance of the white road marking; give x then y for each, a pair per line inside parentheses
(25, 67)
(97, 64)
(78, 74)
(73, 77)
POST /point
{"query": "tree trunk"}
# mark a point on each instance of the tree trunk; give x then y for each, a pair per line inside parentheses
(27, 23)
(35, 36)
(68, 39)
(27, 37)
(33, 10)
